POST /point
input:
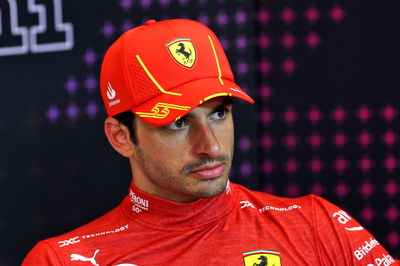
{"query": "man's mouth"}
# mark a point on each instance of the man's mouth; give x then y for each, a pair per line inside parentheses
(208, 171)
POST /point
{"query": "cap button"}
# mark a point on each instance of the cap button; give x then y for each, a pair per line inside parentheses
(149, 22)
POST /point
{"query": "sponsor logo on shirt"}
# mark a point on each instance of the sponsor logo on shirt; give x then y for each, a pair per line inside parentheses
(281, 209)
(357, 228)
(228, 189)
(262, 258)
(70, 241)
(117, 230)
(363, 250)
(246, 204)
(139, 204)
(77, 257)
(385, 260)
(343, 218)
(92, 260)
(78, 239)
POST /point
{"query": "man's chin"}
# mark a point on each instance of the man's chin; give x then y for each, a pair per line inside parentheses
(214, 187)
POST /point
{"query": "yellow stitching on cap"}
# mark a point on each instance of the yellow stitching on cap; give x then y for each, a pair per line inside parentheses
(161, 110)
(215, 95)
(217, 61)
(154, 80)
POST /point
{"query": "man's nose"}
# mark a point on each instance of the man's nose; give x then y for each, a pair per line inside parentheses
(205, 141)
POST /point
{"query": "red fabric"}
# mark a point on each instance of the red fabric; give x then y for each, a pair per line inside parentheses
(224, 230)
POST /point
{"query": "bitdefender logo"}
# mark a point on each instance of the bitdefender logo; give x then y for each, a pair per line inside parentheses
(362, 251)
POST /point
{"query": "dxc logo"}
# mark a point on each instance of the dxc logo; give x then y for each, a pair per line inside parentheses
(49, 35)
(70, 241)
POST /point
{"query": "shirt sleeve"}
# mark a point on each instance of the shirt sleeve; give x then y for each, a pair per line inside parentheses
(41, 254)
(343, 241)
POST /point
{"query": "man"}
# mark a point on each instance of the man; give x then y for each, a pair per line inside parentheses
(181, 208)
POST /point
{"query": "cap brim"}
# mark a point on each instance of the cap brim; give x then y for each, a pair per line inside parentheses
(174, 104)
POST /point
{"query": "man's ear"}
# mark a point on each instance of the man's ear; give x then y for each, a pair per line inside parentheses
(119, 137)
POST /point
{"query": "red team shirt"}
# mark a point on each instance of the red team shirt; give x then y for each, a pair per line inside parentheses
(238, 227)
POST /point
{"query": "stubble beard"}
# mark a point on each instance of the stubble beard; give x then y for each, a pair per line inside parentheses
(169, 184)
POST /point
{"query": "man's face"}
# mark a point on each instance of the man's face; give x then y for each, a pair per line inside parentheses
(188, 159)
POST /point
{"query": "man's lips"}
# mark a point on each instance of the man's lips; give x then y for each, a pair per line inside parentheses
(208, 172)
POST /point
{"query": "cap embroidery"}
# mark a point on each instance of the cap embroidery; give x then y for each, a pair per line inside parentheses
(161, 110)
(183, 51)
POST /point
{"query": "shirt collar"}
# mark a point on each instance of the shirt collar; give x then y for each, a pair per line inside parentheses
(157, 212)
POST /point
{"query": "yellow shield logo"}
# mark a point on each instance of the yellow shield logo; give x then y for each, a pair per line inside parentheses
(262, 258)
(182, 50)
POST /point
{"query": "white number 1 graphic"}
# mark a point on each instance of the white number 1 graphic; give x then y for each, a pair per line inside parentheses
(51, 34)
(14, 36)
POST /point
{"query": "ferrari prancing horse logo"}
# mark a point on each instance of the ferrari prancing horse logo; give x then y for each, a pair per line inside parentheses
(262, 258)
(182, 50)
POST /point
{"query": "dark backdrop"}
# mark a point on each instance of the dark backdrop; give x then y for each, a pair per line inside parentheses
(326, 118)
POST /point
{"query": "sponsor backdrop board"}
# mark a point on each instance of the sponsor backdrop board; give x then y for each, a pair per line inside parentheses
(326, 118)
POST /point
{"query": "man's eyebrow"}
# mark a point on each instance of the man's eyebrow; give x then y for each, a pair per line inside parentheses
(225, 102)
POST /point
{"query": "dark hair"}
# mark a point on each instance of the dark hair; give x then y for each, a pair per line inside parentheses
(127, 119)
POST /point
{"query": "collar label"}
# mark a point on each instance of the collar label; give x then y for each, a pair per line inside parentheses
(139, 204)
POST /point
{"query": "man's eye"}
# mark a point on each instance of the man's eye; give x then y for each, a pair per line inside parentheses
(220, 114)
(176, 125)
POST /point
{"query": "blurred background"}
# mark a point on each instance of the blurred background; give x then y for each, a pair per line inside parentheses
(326, 120)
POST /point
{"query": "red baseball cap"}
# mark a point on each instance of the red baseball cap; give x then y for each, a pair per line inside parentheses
(162, 70)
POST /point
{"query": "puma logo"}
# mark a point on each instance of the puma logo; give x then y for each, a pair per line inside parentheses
(82, 258)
